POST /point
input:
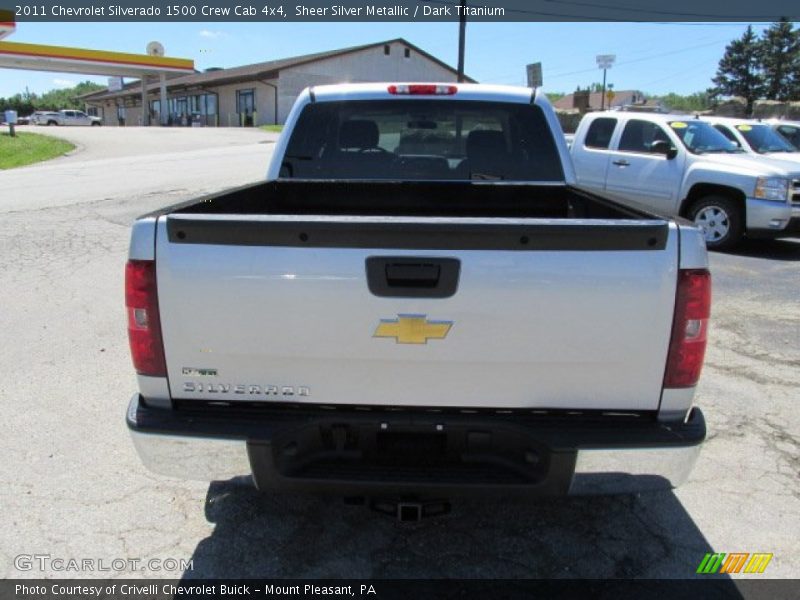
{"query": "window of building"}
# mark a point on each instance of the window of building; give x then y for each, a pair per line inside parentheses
(211, 104)
(387, 49)
(600, 132)
(182, 107)
(203, 109)
(246, 107)
(245, 101)
(638, 136)
(407, 53)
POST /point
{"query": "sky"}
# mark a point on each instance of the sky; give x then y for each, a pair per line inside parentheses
(655, 58)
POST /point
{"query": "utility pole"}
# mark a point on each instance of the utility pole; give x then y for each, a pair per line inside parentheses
(603, 93)
(462, 32)
(605, 62)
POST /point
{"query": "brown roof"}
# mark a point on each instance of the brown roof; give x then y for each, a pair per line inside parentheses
(621, 98)
(262, 70)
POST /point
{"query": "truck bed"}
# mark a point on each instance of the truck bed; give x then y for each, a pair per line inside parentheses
(414, 215)
(411, 198)
(556, 298)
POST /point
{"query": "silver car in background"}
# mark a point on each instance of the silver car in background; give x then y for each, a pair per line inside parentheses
(789, 130)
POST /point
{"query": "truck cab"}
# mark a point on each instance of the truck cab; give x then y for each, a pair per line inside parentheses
(682, 166)
(418, 301)
(77, 118)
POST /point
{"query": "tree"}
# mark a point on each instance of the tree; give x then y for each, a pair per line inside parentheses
(691, 103)
(780, 61)
(739, 72)
(17, 102)
(66, 97)
(27, 102)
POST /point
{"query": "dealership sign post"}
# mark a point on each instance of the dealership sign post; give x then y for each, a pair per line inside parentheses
(534, 72)
(605, 62)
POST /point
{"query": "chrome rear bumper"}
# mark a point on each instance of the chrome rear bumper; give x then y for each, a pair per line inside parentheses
(569, 458)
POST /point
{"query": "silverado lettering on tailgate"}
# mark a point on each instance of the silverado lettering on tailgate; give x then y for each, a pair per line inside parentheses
(246, 389)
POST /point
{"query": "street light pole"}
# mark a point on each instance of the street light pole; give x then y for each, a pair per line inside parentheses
(603, 93)
(604, 61)
(462, 32)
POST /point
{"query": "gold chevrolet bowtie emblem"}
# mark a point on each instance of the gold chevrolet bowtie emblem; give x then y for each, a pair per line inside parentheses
(412, 329)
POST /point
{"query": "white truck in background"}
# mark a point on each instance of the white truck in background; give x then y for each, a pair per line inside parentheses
(68, 118)
(418, 302)
(788, 130)
(755, 137)
(679, 165)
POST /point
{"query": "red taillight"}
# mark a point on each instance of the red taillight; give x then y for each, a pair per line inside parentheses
(688, 344)
(423, 89)
(144, 324)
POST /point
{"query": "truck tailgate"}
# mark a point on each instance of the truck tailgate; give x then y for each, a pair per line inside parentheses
(543, 314)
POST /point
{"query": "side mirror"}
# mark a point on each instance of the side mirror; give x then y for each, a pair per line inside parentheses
(665, 148)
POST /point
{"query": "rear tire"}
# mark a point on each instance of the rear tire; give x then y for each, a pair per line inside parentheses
(95, 124)
(51, 123)
(721, 220)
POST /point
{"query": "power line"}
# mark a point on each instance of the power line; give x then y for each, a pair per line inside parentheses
(643, 59)
(633, 47)
(692, 24)
(558, 75)
(671, 76)
(654, 11)
(579, 16)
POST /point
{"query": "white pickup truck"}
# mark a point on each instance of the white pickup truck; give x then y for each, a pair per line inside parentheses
(69, 118)
(788, 130)
(756, 138)
(676, 165)
(418, 301)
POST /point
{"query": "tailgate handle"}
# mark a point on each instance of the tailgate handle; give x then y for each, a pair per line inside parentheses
(412, 276)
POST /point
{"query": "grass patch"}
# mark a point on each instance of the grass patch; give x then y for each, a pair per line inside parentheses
(272, 128)
(28, 148)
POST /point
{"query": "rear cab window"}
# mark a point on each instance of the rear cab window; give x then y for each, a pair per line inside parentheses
(599, 134)
(422, 140)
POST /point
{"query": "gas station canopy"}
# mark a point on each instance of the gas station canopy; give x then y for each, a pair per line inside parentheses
(6, 23)
(62, 59)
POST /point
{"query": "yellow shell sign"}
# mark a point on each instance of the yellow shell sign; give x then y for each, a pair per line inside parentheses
(678, 125)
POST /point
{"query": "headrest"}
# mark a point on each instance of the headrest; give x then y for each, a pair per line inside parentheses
(358, 134)
(486, 142)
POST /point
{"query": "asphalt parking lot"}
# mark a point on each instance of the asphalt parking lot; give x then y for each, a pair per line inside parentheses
(72, 486)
